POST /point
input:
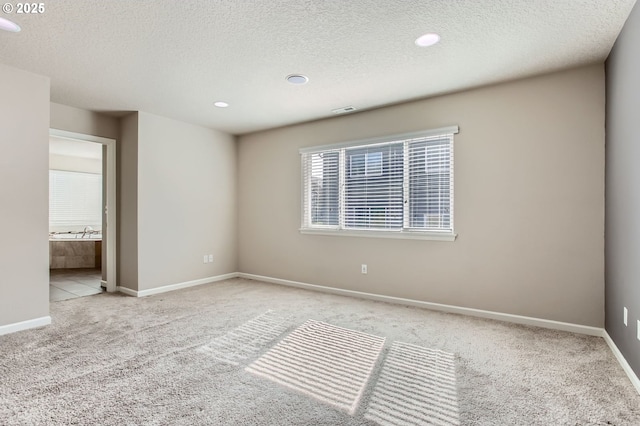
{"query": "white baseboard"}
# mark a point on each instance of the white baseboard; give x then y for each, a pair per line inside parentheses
(24, 325)
(517, 319)
(127, 291)
(177, 286)
(621, 359)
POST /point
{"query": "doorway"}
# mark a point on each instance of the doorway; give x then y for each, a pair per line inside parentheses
(99, 240)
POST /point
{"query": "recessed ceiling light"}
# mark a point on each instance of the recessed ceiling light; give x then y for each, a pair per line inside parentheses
(8, 25)
(297, 78)
(221, 104)
(427, 40)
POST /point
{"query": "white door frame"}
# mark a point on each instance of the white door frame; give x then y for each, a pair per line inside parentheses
(110, 205)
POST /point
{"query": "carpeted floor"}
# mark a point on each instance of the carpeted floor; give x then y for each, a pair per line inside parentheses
(242, 352)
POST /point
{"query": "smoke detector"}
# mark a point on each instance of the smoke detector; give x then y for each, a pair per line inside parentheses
(297, 79)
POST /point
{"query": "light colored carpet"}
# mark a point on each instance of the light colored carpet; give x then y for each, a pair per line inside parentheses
(416, 386)
(185, 358)
(247, 340)
(331, 364)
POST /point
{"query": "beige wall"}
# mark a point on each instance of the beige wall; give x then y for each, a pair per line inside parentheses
(78, 120)
(24, 148)
(529, 200)
(177, 202)
(186, 202)
(127, 199)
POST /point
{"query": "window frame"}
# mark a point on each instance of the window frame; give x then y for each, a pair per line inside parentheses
(402, 233)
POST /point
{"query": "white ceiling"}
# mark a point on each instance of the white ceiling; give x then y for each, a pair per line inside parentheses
(176, 58)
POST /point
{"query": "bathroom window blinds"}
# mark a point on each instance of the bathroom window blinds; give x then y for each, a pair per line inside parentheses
(402, 184)
(75, 201)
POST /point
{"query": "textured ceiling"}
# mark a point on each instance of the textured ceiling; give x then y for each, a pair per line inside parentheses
(175, 58)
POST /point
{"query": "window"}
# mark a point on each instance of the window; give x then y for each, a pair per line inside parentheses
(365, 164)
(75, 201)
(395, 187)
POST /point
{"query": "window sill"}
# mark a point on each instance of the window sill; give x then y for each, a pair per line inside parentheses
(406, 235)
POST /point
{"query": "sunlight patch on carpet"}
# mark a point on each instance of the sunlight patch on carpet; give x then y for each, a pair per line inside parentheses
(417, 386)
(248, 340)
(329, 363)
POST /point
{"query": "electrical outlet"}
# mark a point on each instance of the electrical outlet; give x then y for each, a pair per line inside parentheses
(210, 258)
(364, 268)
(638, 330)
(205, 259)
(625, 315)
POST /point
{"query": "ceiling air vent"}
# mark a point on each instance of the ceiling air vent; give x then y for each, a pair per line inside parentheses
(343, 110)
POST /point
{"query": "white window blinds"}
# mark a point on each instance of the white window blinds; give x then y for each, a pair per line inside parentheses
(322, 176)
(373, 187)
(75, 201)
(402, 184)
(430, 184)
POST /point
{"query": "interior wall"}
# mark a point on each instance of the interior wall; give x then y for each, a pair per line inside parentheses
(623, 191)
(79, 120)
(127, 199)
(24, 246)
(529, 203)
(186, 202)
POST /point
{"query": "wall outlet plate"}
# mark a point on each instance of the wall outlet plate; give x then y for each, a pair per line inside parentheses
(364, 268)
(638, 330)
(205, 259)
(625, 314)
(210, 258)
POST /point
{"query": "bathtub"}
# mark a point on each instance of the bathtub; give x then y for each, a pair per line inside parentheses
(73, 251)
(75, 236)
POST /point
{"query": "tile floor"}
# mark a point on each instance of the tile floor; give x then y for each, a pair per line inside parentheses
(71, 283)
